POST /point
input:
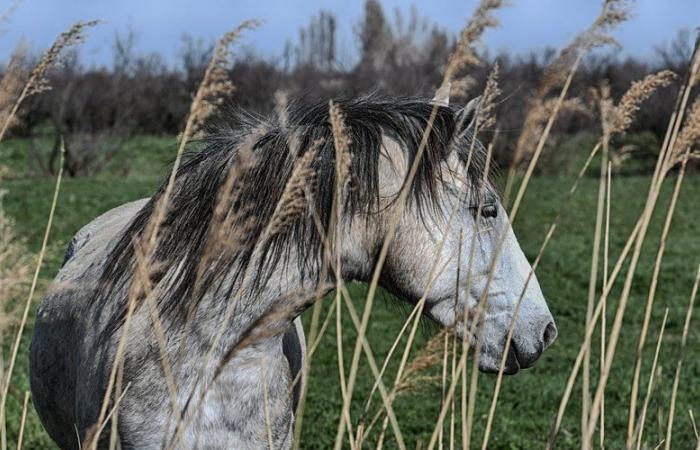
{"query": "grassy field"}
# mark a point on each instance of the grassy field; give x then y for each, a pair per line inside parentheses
(528, 401)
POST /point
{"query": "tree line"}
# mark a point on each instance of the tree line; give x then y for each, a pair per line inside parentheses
(95, 109)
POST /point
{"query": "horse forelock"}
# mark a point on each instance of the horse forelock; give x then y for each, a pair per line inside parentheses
(274, 147)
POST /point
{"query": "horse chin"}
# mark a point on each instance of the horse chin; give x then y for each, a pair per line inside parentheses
(489, 363)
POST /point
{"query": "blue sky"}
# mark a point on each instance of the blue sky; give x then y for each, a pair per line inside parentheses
(159, 24)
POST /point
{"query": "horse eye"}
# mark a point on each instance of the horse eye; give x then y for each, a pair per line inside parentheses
(489, 211)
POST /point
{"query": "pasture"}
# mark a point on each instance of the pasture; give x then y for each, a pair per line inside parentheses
(528, 402)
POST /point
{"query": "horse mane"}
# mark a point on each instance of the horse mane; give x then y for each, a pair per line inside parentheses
(275, 144)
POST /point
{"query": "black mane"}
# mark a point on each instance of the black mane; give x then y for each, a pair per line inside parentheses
(275, 145)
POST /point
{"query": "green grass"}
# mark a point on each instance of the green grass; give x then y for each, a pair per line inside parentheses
(528, 401)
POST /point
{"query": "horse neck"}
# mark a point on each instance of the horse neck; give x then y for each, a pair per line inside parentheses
(249, 302)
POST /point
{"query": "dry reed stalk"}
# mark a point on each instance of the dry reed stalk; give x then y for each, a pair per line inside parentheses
(690, 414)
(15, 264)
(292, 203)
(443, 382)
(281, 98)
(651, 297)
(368, 353)
(432, 276)
(313, 339)
(413, 319)
(365, 345)
(473, 31)
(630, 106)
(664, 162)
(484, 116)
(266, 407)
(464, 55)
(375, 372)
(603, 325)
(662, 166)
(92, 433)
(480, 308)
(614, 120)
(553, 225)
(341, 366)
(606, 116)
(639, 429)
(23, 420)
(429, 356)
(341, 143)
(622, 116)
(486, 111)
(25, 313)
(453, 401)
(509, 338)
(589, 331)
(413, 377)
(408, 321)
(37, 82)
(559, 73)
(12, 83)
(214, 86)
(679, 366)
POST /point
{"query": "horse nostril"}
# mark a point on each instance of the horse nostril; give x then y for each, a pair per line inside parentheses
(550, 335)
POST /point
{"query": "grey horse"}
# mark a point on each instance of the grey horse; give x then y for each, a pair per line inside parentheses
(246, 399)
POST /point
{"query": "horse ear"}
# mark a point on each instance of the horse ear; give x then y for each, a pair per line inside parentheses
(467, 115)
(442, 95)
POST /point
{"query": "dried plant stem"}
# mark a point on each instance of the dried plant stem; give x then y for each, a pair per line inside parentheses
(434, 274)
(509, 338)
(543, 139)
(650, 385)
(471, 401)
(369, 301)
(593, 279)
(453, 376)
(365, 344)
(36, 82)
(385, 396)
(655, 187)
(266, 406)
(291, 203)
(20, 438)
(25, 313)
(448, 398)
(589, 331)
(679, 366)
(683, 97)
(603, 325)
(392, 349)
(472, 32)
(690, 411)
(551, 230)
(443, 381)
(198, 111)
(299, 413)
(652, 290)
(468, 411)
(341, 364)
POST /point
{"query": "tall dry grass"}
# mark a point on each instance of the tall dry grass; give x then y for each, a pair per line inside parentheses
(19, 83)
